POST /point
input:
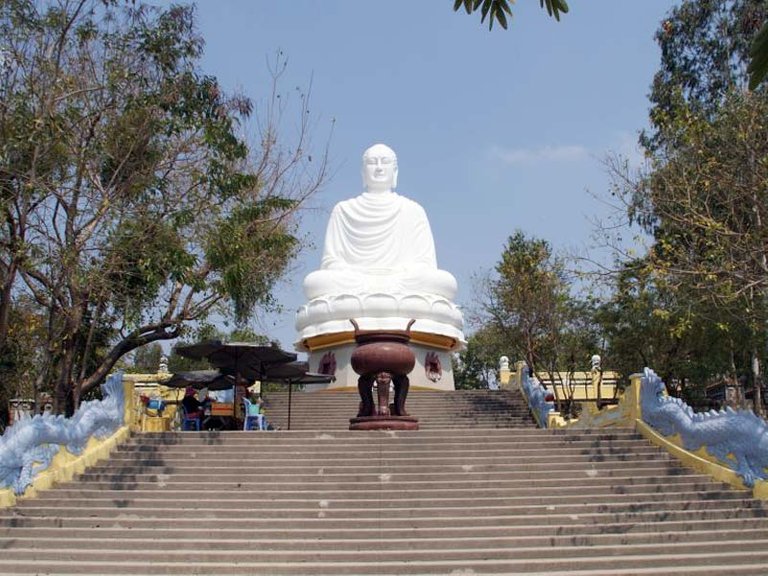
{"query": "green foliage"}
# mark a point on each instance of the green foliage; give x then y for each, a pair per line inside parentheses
(710, 200)
(132, 204)
(497, 10)
(22, 351)
(649, 322)
(527, 311)
(144, 254)
(695, 307)
(758, 65)
(250, 256)
(705, 47)
(476, 366)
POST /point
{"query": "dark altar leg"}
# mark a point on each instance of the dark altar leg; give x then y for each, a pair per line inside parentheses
(365, 388)
(383, 394)
(401, 393)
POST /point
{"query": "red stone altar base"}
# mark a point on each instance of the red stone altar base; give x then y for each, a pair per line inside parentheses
(383, 357)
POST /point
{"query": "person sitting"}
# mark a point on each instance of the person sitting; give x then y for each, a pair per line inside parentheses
(193, 408)
(255, 408)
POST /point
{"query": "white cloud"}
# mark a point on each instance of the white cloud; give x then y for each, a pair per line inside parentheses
(537, 155)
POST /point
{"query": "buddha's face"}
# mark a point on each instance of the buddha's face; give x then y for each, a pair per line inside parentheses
(379, 168)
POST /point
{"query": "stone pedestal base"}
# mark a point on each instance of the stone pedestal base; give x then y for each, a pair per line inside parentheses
(346, 377)
(384, 423)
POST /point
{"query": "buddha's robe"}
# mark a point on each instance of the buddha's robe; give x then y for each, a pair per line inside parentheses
(379, 242)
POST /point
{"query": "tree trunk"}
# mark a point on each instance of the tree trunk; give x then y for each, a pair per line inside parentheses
(5, 302)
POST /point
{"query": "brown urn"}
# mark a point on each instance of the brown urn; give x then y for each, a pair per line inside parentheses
(382, 351)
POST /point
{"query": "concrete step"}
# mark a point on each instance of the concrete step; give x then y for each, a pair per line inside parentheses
(556, 561)
(450, 500)
(113, 540)
(208, 553)
(575, 531)
(703, 489)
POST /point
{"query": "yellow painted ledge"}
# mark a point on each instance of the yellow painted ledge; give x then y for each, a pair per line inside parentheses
(700, 460)
(628, 413)
(65, 466)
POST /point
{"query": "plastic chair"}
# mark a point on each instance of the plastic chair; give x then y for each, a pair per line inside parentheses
(251, 416)
(188, 422)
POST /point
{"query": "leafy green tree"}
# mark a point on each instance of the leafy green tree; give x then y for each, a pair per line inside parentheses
(706, 208)
(649, 322)
(498, 10)
(713, 14)
(526, 305)
(705, 47)
(133, 207)
(700, 197)
(477, 365)
(22, 354)
(758, 65)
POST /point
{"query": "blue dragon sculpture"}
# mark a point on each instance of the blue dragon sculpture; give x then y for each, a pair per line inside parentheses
(536, 395)
(738, 439)
(29, 445)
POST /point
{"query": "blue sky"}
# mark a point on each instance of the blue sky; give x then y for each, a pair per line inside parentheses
(494, 131)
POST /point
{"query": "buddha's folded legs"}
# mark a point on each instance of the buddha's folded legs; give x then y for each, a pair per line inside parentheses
(321, 283)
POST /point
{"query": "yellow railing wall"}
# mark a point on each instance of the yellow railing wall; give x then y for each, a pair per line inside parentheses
(65, 465)
(628, 413)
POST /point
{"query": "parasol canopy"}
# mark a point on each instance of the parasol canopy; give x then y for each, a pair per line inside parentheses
(281, 372)
(243, 359)
(198, 379)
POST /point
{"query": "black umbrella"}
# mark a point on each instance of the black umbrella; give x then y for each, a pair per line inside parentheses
(295, 373)
(197, 379)
(243, 359)
(279, 372)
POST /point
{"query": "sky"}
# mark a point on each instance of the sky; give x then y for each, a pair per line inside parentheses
(494, 131)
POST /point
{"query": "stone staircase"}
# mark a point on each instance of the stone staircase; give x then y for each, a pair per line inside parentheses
(331, 410)
(462, 500)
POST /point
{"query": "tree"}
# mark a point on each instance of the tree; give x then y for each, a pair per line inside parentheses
(133, 206)
(705, 10)
(700, 197)
(21, 356)
(707, 202)
(705, 46)
(499, 9)
(526, 305)
(477, 365)
(758, 65)
(647, 321)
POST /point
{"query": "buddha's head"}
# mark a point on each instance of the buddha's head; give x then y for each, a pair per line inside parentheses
(379, 168)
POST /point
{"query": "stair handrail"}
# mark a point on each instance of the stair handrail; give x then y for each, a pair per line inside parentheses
(736, 439)
(540, 401)
(29, 445)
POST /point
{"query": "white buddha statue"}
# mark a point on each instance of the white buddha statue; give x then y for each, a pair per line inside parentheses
(379, 241)
(379, 263)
